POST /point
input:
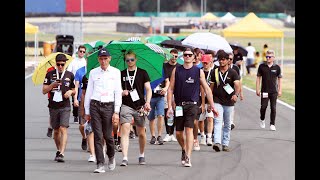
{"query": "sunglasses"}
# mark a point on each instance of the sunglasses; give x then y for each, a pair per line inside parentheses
(130, 60)
(205, 63)
(269, 57)
(82, 51)
(58, 64)
(185, 55)
(230, 58)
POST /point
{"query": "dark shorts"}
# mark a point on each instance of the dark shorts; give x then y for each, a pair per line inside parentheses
(189, 115)
(198, 113)
(60, 117)
(126, 114)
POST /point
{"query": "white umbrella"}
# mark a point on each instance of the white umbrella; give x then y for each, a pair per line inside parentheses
(207, 41)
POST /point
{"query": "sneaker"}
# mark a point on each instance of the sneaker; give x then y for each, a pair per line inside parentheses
(60, 158)
(112, 163)
(57, 154)
(132, 135)
(203, 140)
(167, 138)
(160, 140)
(92, 158)
(75, 119)
(118, 148)
(187, 162)
(100, 169)
(183, 157)
(142, 160)
(209, 141)
(49, 132)
(216, 147)
(173, 138)
(153, 140)
(262, 124)
(196, 146)
(124, 163)
(84, 144)
(232, 126)
(225, 148)
(272, 127)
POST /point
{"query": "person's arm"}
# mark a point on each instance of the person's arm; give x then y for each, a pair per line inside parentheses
(237, 90)
(208, 92)
(258, 85)
(81, 106)
(279, 87)
(48, 86)
(117, 93)
(88, 95)
(75, 97)
(203, 99)
(147, 86)
(165, 89)
(171, 89)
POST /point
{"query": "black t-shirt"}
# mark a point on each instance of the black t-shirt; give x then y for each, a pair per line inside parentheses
(237, 57)
(269, 76)
(167, 68)
(236, 68)
(67, 84)
(84, 83)
(219, 94)
(208, 79)
(141, 78)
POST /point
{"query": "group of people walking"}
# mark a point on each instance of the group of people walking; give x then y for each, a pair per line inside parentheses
(110, 101)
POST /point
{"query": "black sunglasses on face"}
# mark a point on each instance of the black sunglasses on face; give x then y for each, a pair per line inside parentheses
(230, 58)
(269, 57)
(131, 59)
(82, 51)
(185, 55)
(59, 64)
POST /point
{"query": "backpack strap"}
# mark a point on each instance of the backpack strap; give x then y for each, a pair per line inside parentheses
(217, 76)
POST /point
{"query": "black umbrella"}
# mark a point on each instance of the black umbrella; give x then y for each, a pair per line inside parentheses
(174, 44)
(241, 49)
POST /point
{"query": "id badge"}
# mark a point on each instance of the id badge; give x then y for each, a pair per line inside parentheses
(134, 95)
(57, 97)
(264, 95)
(179, 111)
(228, 88)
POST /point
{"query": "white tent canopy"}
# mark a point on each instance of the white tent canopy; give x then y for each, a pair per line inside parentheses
(228, 17)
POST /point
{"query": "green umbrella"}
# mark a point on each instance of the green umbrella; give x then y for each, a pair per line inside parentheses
(148, 59)
(180, 38)
(93, 46)
(157, 39)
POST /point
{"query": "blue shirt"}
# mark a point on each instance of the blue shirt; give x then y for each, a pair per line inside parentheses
(78, 77)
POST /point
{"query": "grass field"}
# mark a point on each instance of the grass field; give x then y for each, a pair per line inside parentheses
(288, 94)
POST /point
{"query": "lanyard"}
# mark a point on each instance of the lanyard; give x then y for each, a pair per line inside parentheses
(225, 77)
(61, 76)
(209, 75)
(134, 77)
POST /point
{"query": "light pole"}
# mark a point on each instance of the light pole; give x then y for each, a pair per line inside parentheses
(201, 8)
(158, 8)
(81, 22)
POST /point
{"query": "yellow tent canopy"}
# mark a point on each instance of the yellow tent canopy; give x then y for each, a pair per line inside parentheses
(31, 29)
(209, 17)
(252, 26)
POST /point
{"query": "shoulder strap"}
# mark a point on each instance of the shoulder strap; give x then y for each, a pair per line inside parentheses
(216, 76)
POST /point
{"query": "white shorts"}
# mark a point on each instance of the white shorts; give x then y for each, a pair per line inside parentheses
(203, 116)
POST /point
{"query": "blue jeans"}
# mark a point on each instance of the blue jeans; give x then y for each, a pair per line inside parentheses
(157, 107)
(224, 117)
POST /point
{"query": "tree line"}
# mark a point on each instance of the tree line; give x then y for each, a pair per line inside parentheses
(257, 6)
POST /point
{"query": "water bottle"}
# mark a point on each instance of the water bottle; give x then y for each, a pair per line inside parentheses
(170, 118)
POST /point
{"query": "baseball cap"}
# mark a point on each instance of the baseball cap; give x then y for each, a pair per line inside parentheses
(61, 57)
(103, 52)
(206, 58)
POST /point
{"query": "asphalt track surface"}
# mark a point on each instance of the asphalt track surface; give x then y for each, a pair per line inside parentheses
(256, 154)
